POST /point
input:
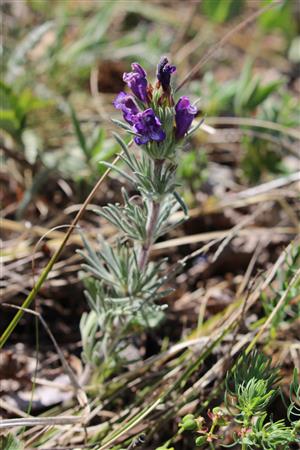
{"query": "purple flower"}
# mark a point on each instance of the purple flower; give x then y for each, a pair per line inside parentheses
(137, 81)
(148, 127)
(164, 72)
(126, 104)
(184, 116)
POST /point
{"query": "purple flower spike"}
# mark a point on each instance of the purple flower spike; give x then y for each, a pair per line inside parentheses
(184, 116)
(137, 81)
(126, 104)
(164, 72)
(148, 127)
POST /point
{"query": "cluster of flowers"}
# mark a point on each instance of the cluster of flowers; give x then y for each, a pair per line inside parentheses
(138, 110)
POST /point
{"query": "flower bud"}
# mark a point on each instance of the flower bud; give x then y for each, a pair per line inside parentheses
(164, 72)
(218, 416)
(137, 81)
(189, 423)
(184, 116)
(200, 440)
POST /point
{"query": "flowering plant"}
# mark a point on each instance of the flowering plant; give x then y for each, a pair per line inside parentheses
(149, 111)
(125, 285)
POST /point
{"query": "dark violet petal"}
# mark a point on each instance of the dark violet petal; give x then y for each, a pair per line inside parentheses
(128, 117)
(184, 104)
(136, 67)
(148, 127)
(184, 116)
(158, 135)
(164, 72)
(137, 81)
(126, 103)
(141, 140)
(119, 100)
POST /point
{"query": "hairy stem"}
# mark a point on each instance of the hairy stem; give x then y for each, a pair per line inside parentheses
(151, 223)
(150, 229)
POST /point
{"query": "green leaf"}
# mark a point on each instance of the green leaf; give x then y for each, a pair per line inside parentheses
(280, 17)
(221, 11)
(241, 86)
(121, 124)
(97, 142)
(18, 57)
(181, 203)
(79, 134)
(93, 34)
(261, 93)
(10, 442)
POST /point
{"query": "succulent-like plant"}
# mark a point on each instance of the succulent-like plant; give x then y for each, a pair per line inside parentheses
(250, 388)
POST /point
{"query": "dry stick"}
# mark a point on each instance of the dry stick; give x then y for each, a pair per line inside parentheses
(17, 156)
(238, 227)
(223, 41)
(67, 447)
(220, 235)
(253, 122)
(40, 421)
(13, 409)
(97, 97)
(27, 302)
(38, 243)
(250, 268)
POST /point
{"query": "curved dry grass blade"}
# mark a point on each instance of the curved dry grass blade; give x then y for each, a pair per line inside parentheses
(29, 299)
(223, 41)
(253, 122)
(268, 322)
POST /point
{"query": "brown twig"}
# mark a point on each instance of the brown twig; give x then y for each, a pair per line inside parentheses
(16, 155)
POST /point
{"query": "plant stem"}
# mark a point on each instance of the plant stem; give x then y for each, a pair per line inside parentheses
(151, 223)
(150, 228)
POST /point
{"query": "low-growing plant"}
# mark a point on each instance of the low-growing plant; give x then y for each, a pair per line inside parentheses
(16, 107)
(244, 419)
(240, 96)
(124, 287)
